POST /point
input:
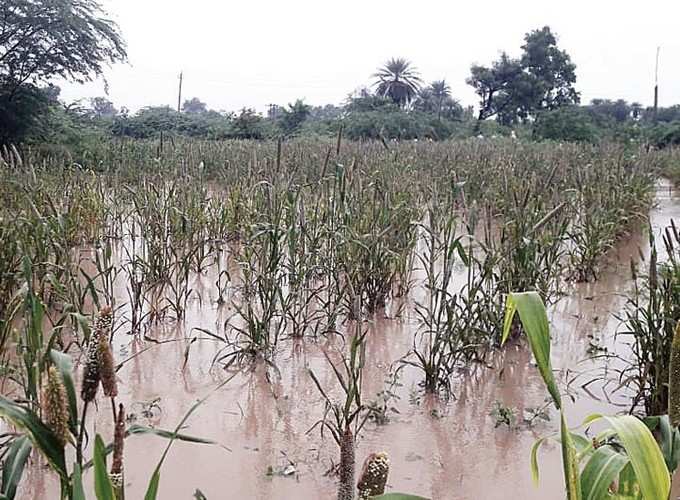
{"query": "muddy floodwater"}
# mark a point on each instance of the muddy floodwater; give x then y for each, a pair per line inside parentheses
(265, 419)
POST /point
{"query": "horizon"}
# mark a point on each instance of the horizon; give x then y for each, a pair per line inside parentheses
(233, 66)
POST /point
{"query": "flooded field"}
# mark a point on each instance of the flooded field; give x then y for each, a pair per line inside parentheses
(469, 436)
(264, 418)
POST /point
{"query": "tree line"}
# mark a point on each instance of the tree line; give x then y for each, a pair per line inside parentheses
(533, 95)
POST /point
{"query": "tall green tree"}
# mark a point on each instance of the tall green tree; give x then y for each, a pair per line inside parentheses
(552, 71)
(398, 80)
(542, 79)
(43, 39)
(497, 86)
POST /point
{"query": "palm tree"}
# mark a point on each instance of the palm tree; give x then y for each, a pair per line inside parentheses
(398, 80)
(440, 91)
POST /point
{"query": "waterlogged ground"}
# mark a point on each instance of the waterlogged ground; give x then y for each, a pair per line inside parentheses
(443, 450)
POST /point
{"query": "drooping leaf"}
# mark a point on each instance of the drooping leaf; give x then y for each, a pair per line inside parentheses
(13, 466)
(534, 318)
(534, 459)
(41, 436)
(645, 456)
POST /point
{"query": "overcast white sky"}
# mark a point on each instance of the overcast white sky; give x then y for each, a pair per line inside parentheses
(255, 52)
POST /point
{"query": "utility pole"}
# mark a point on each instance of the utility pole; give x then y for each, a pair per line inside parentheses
(179, 97)
(656, 84)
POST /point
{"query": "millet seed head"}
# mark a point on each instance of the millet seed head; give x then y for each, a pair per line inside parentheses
(107, 369)
(373, 478)
(55, 406)
(92, 372)
(674, 380)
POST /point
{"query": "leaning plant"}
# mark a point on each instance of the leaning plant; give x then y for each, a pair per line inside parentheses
(623, 461)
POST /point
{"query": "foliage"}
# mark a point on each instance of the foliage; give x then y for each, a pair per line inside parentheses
(666, 135)
(398, 80)
(496, 86)
(40, 40)
(307, 237)
(624, 456)
(551, 70)
(569, 123)
(650, 319)
(293, 117)
(514, 90)
(436, 99)
(247, 124)
(22, 112)
(194, 106)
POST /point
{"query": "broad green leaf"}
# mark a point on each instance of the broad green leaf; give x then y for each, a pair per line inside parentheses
(65, 366)
(581, 443)
(534, 318)
(77, 482)
(569, 462)
(600, 472)
(13, 466)
(669, 439)
(102, 482)
(41, 436)
(645, 456)
(628, 489)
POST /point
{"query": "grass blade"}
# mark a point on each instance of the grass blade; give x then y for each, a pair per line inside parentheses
(102, 482)
(77, 482)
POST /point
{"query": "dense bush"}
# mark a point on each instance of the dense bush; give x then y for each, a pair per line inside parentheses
(571, 124)
(666, 134)
(22, 111)
(398, 124)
